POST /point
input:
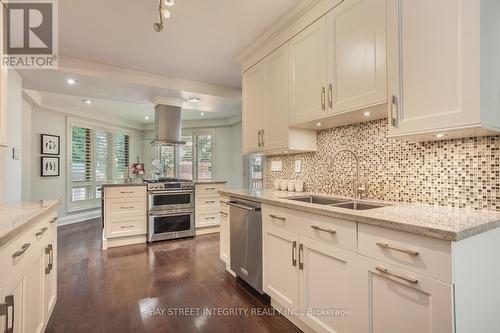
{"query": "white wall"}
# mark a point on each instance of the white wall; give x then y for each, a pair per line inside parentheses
(10, 170)
(44, 121)
(26, 152)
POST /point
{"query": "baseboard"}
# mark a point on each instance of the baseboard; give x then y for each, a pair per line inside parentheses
(78, 217)
(207, 230)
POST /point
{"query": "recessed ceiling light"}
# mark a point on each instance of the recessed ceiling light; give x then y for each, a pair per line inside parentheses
(168, 3)
(366, 113)
(440, 135)
(318, 124)
(165, 12)
(87, 101)
(202, 113)
(194, 100)
(147, 118)
(71, 82)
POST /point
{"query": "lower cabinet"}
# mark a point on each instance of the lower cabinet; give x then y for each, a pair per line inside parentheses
(28, 296)
(395, 300)
(325, 285)
(280, 266)
(326, 288)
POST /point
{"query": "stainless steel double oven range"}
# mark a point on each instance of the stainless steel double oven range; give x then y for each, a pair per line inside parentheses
(170, 209)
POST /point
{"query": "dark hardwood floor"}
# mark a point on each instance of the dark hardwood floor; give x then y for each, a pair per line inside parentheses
(139, 288)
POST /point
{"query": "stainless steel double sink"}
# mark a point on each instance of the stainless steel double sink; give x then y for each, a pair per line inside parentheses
(336, 202)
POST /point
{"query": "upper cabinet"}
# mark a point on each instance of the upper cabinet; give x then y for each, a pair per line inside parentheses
(308, 74)
(443, 68)
(338, 65)
(357, 76)
(266, 109)
(3, 89)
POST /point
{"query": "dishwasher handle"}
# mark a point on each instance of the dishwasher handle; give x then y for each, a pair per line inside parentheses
(247, 208)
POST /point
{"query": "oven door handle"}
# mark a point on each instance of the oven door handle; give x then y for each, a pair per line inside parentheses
(170, 193)
(165, 214)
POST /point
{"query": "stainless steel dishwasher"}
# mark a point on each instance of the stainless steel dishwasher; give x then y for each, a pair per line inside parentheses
(246, 241)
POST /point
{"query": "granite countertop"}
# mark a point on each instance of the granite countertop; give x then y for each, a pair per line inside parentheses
(18, 217)
(122, 183)
(446, 223)
(203, 182)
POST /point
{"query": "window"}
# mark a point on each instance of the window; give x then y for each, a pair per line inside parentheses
(98, 155)
(256, 175)
(193, 161)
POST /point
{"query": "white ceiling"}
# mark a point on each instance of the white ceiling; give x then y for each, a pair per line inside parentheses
(199, 41)
(125, 111)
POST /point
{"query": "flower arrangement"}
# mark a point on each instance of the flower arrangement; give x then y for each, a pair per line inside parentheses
(137, 169)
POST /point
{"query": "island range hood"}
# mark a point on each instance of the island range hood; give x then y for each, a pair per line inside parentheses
(168, 125)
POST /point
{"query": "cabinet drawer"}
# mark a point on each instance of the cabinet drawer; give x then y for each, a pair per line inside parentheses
(128, 228)
(207, 220)
(424, 255)
(125, 192)
(25, 245)
(209, 190)
(207, 205)
(330, 230)
(126, 207)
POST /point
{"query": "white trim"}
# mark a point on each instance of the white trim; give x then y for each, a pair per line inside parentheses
(93, 125)
(77, 218)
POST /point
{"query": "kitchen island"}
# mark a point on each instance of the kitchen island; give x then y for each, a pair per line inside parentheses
(124, 214)
(397, 267)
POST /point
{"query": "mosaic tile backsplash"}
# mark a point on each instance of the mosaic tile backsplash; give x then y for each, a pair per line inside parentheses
(458, 172)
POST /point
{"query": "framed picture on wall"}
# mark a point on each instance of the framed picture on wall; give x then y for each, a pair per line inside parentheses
(49, 166)
(50, 144)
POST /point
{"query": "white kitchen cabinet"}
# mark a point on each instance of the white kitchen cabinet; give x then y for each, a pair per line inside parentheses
(443, 68)
(125, 215)
(208, 207)
(280, 265)
(24, 292)
(3, 88)
(266, 120)
(356, 55)
(325, 282)
(253, 109)
(395, 300)
(308, 73)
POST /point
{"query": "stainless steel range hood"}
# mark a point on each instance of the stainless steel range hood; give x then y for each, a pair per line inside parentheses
(168, 125)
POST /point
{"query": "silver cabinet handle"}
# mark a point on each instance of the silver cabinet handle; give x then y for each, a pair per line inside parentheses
(397, 248)
(301, 253)
(262, 138)
(259, 139)
(323, 92)
(210, 218)
(54, 220)
(294, 249)
(210, 201)
(394, 116)
(386, 271)
(127, 207)
(50, 252)
(315, 227)
(209, 188)
(277, 217)
(330, 96)
(224, 213)
(41, 232)
(126, 192)
(127, 226)
(4, 311)
(19, 253)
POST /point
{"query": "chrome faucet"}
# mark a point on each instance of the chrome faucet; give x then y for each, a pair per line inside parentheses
(359, 186)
